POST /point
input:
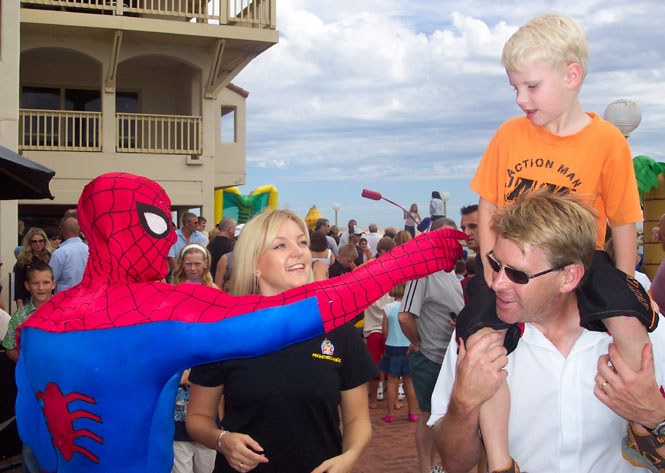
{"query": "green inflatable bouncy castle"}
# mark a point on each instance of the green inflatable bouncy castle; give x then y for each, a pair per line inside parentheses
(230, 202)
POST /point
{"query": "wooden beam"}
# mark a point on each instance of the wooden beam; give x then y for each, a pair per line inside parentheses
(112, 72)
(214, 69)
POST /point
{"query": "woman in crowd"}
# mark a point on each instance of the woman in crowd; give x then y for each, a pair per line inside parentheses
(402, 237)
(412, 219)
(193, 267)
(322, 256)
(35, 246)
(364, 248)
(54, 236)
(436, 206)
(281, 410)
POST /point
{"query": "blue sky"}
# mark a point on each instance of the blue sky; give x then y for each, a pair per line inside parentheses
(403, 97)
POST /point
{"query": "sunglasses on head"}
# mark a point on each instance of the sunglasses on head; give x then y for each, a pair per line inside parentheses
(515, 275)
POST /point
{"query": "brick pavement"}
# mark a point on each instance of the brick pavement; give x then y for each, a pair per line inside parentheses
(393, 447)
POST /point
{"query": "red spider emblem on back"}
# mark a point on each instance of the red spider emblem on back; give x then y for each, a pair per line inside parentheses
(60, 421)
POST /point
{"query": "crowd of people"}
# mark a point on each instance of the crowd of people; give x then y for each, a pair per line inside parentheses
(534, 352)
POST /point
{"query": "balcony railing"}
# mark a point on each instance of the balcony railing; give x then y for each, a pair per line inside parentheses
(168, 134)
(59, 130)
(255, 13)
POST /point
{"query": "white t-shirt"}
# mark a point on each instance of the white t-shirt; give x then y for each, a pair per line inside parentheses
(556, 422)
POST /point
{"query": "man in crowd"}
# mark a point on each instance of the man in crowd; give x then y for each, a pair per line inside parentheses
(373, 238)
(322, 225)
(354, 239)
(69, 260)
(344, 237)
(223, 242)
(469, 225)
(187, 234)
(425, 320)
(557, 421)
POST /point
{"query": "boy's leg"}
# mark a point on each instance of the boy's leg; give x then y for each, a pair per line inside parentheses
(609, 293)
(613, 301)
(494, 415)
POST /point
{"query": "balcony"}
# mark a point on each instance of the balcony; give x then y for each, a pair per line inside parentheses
(63, 130)
(59, 130)
(164, 134)
(248, 13)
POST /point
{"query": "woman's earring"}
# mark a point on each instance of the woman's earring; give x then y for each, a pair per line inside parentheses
(258, 275)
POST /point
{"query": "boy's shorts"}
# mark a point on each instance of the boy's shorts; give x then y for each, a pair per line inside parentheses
(607, 292)
(424, 373)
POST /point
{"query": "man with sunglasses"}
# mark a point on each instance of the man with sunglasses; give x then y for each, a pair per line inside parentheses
(558, 420)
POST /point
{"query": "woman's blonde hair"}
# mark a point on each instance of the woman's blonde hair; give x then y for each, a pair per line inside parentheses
(402, 237)
(25, 255)
(179, 275)
(254, 240)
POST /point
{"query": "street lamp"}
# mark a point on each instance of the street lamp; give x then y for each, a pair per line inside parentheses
(336, 208)
(445, 196)
(623, 114)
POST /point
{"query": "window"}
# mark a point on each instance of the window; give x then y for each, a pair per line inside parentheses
(228, 125)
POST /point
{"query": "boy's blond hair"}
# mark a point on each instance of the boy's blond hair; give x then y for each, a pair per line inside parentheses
(554, 39)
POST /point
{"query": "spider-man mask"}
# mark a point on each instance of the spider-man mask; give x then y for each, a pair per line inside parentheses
(126, 219)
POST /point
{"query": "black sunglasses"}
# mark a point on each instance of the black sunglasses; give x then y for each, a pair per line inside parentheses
(515, 275)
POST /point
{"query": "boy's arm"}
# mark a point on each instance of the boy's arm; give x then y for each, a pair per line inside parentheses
(624, 241)
(486, 212)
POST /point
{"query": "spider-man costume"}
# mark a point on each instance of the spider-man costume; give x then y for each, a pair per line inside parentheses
(99, 364)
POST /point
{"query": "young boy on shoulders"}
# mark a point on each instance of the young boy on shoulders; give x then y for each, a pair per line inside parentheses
(558, 146)
(40, 284)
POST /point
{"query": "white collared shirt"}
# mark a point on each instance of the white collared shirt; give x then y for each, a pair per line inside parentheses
(556, 422)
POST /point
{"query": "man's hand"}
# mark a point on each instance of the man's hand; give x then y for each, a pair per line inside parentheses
(634, 396)
(480, 368)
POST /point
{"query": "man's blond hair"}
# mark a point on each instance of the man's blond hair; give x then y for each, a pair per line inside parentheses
(556, 40)
(561, 225)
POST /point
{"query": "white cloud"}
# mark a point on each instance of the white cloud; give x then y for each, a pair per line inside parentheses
(412, 91)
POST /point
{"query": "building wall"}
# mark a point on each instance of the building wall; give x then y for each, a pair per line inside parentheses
(9, 74)
(169, 81)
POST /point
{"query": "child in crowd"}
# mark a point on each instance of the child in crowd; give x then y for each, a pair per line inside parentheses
(192, 266)
(345, 262)
(395, 363)
(373, 329)
(367, 254)
(557, 146)
(40, 284)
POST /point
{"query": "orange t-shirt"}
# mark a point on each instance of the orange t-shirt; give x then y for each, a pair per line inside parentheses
(594, 162)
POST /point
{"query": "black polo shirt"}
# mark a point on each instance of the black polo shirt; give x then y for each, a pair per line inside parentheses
(288, 401)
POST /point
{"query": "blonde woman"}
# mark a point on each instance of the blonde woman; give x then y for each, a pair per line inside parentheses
(412, 219)
(282, 410)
